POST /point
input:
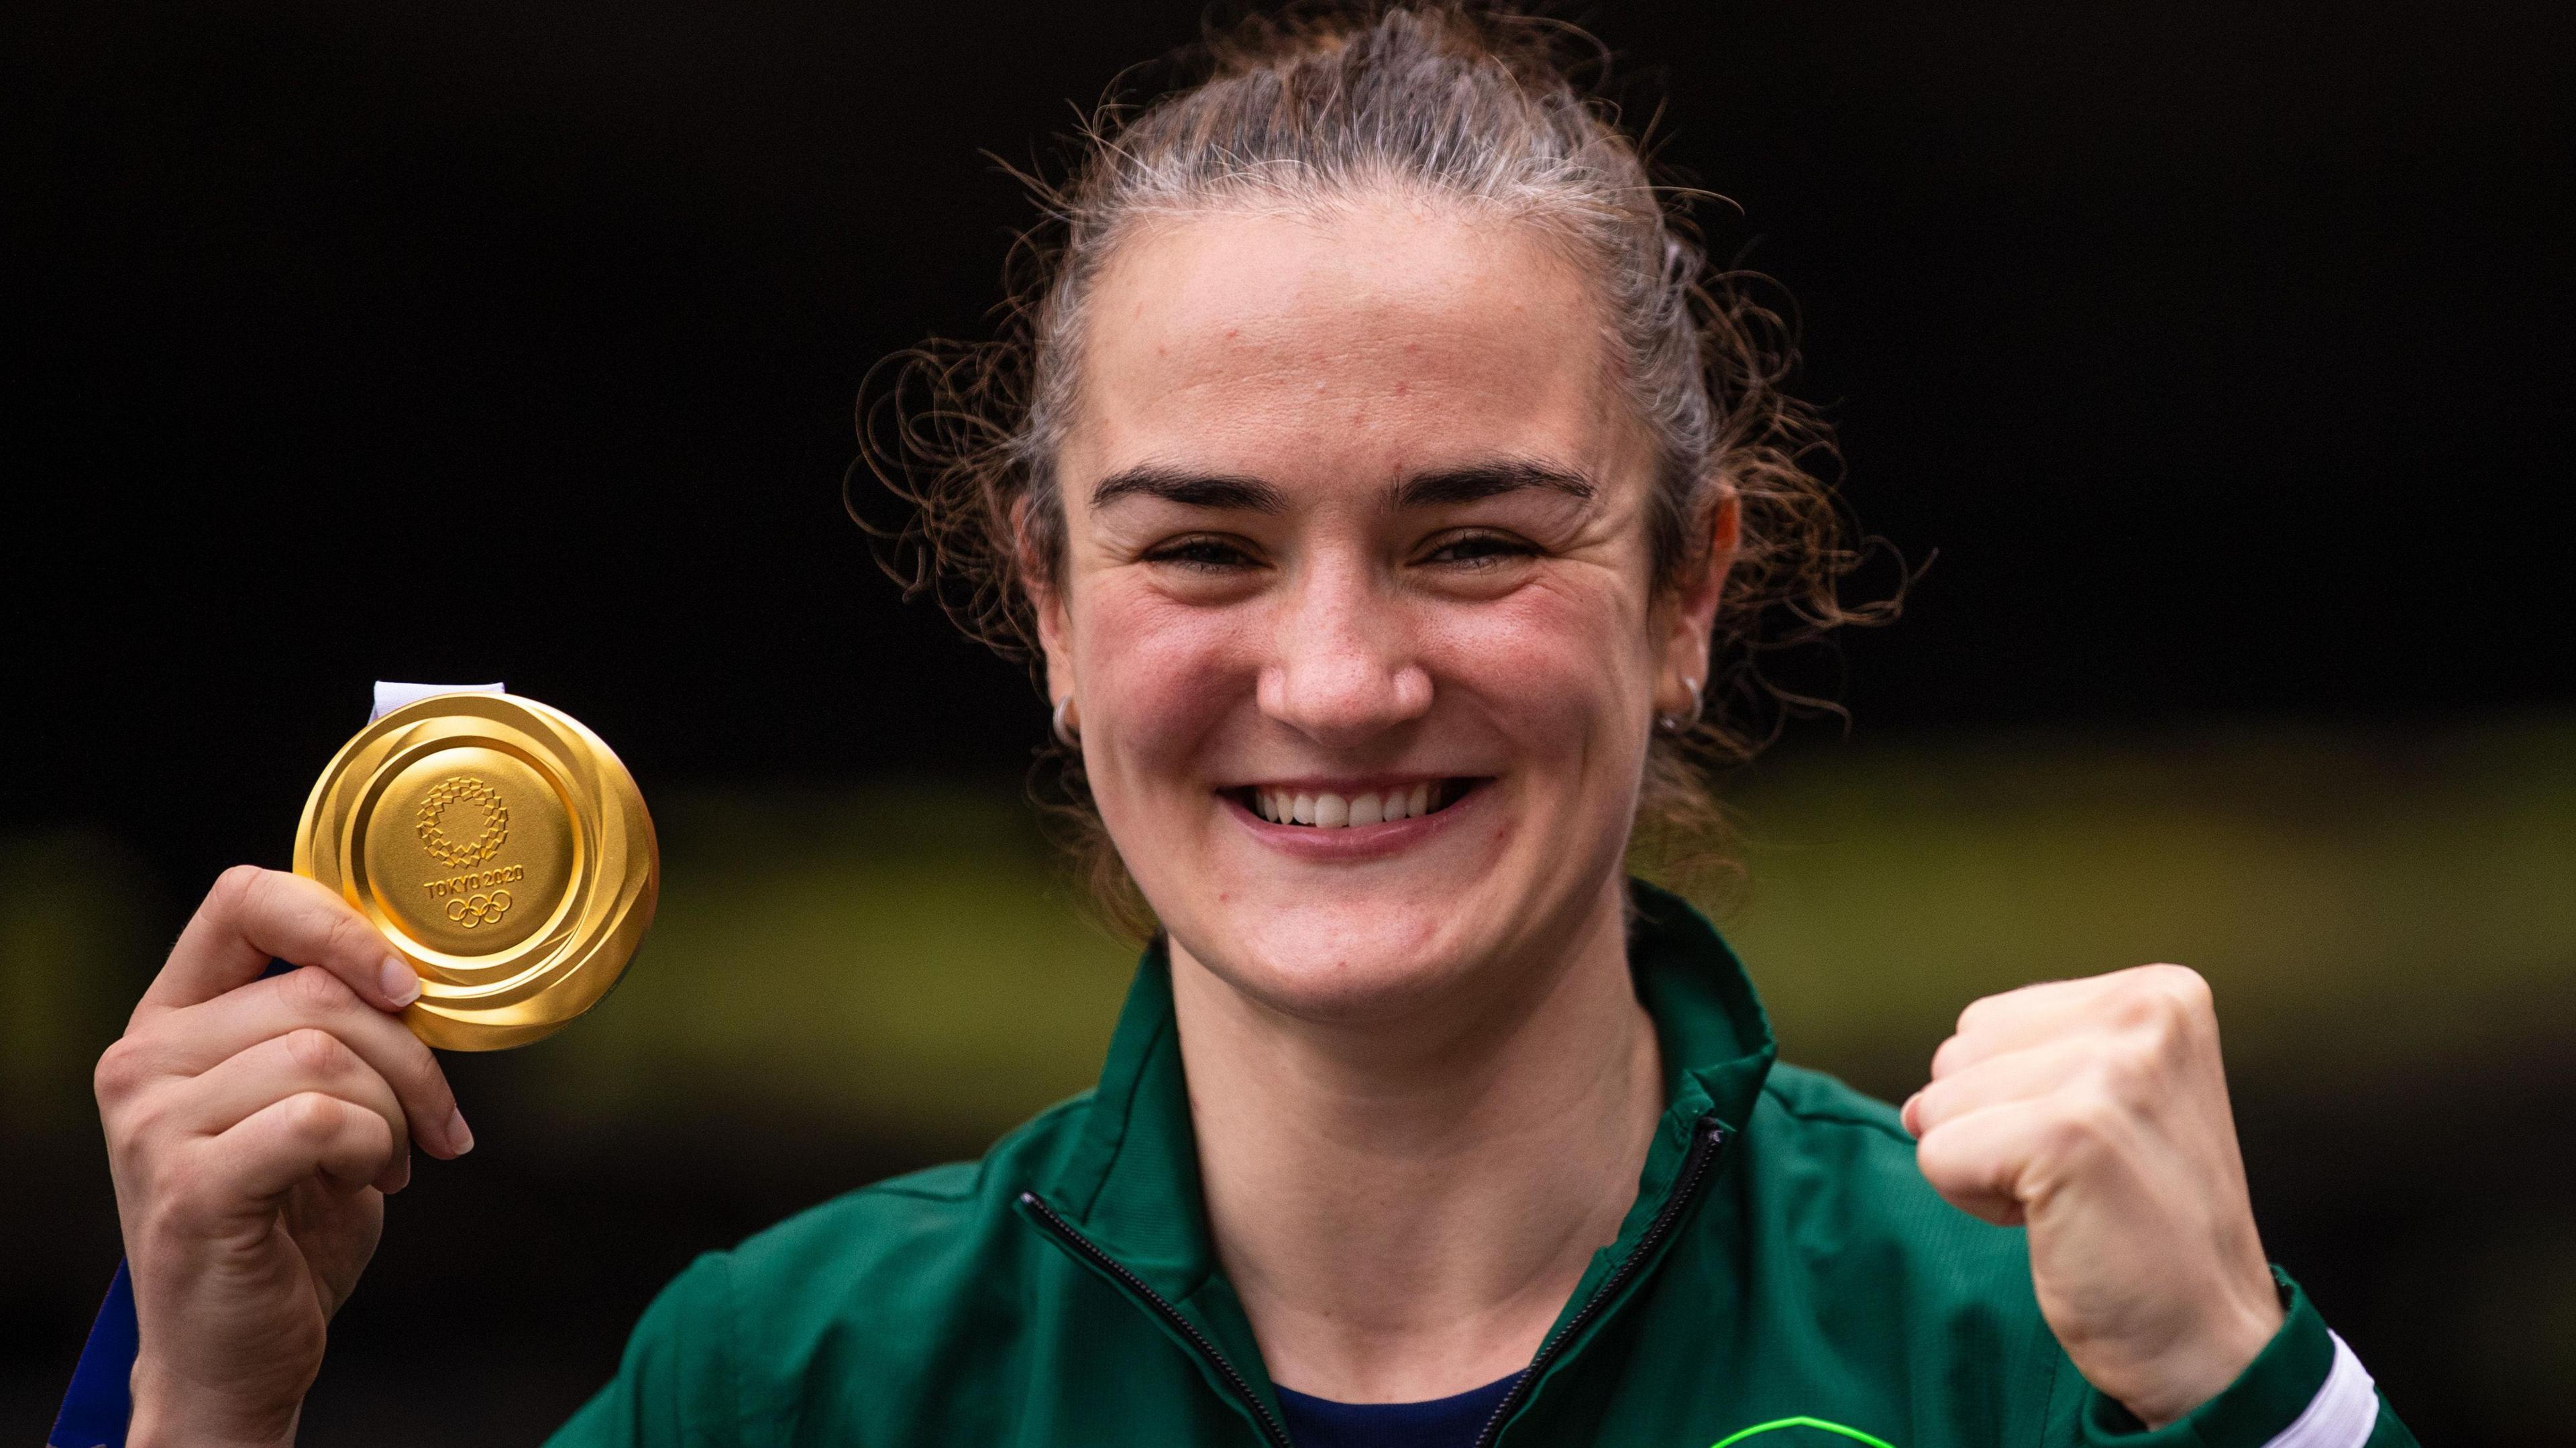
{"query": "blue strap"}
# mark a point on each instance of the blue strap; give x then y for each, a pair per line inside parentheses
(101, 1398)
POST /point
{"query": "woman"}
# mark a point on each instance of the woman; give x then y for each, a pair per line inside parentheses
(1379, 485)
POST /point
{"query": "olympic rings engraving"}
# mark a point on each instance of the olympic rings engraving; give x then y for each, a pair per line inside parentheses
(471, 911)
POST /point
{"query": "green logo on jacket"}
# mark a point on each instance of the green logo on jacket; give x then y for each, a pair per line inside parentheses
(1820, 1425)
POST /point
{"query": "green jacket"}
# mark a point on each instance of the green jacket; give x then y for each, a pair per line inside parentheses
(1785, 1278)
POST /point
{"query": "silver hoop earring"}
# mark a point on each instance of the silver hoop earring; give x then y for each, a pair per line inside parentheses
(1678, 723)
(1066, 733)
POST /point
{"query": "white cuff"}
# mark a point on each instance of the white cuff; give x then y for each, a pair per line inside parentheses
(2342, 1413)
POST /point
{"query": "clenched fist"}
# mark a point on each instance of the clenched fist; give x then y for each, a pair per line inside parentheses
(2095, 1112)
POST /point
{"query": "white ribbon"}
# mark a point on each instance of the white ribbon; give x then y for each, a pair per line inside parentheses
(391, 696)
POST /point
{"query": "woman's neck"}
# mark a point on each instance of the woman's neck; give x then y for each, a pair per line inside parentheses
(1404, 1207)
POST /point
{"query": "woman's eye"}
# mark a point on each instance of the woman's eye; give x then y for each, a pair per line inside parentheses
(1209, 555)
(1479, 550)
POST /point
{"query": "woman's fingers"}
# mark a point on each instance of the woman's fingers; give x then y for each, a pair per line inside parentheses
(301, 1062)
(193, 1040)
(1977, 1161)
(288, 1142)
(2152, 996)
(2011, 1076)
(253, 914)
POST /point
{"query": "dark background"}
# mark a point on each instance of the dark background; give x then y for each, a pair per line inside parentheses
(2219, 352)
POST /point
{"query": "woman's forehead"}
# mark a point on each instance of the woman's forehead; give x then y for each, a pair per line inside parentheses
(1370, 336)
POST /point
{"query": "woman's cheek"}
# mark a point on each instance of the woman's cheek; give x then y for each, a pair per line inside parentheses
(1561, 662)
(1161, 675)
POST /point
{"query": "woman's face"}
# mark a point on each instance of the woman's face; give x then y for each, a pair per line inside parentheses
(1356, 607)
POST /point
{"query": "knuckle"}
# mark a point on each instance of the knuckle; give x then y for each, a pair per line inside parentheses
(121, 1071)
(313, 990)
(344, 934)
(315, 1051)
(2180, 987)
(1974, 1014)
(2191, 993)
(2171, 1007)
(2187, 985)
(2140, 1004)
(234, 888)
(2085, 1122)
(312, 1117)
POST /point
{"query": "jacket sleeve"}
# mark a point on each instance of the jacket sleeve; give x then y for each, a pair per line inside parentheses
(2306, 1389)
(677, 1386)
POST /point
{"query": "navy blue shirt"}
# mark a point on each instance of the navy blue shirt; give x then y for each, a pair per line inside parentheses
(1439, 1423)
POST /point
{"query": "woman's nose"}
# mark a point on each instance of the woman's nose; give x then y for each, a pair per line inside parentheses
(1342, 668)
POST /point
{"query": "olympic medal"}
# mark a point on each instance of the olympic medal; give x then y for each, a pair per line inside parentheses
(501, 847)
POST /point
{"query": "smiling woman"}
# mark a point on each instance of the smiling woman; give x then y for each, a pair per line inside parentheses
(1377, 477)
(1461, 134)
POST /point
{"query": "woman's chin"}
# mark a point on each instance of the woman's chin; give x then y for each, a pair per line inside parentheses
(1323, 961)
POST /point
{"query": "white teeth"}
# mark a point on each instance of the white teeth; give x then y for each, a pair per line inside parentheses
(1326, 810)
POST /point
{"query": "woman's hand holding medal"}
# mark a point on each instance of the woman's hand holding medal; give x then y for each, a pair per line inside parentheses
(2096, 1112)
(254, 1125)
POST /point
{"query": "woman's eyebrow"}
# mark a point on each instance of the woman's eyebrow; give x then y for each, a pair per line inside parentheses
(1195, 490)
(1438, 488)
(1485, 480)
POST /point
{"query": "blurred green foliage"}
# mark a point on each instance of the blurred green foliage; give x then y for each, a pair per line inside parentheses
(2359, 904)
(895, 960)
(75, 950)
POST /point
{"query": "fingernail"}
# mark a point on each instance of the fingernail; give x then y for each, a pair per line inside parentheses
(401, 983)
(457, 1134)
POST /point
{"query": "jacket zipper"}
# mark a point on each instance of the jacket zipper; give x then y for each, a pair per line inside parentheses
(1710, 1137)
(1082, 1246)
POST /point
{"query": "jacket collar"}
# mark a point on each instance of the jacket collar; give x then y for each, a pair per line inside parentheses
(1132, 1181)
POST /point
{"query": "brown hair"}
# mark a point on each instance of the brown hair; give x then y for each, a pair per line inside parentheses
(1479, 107)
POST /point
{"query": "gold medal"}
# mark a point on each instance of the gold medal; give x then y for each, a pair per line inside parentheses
(504, 851)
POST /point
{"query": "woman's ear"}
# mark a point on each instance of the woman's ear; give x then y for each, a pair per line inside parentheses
(1693, 616)
(1046, 604)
